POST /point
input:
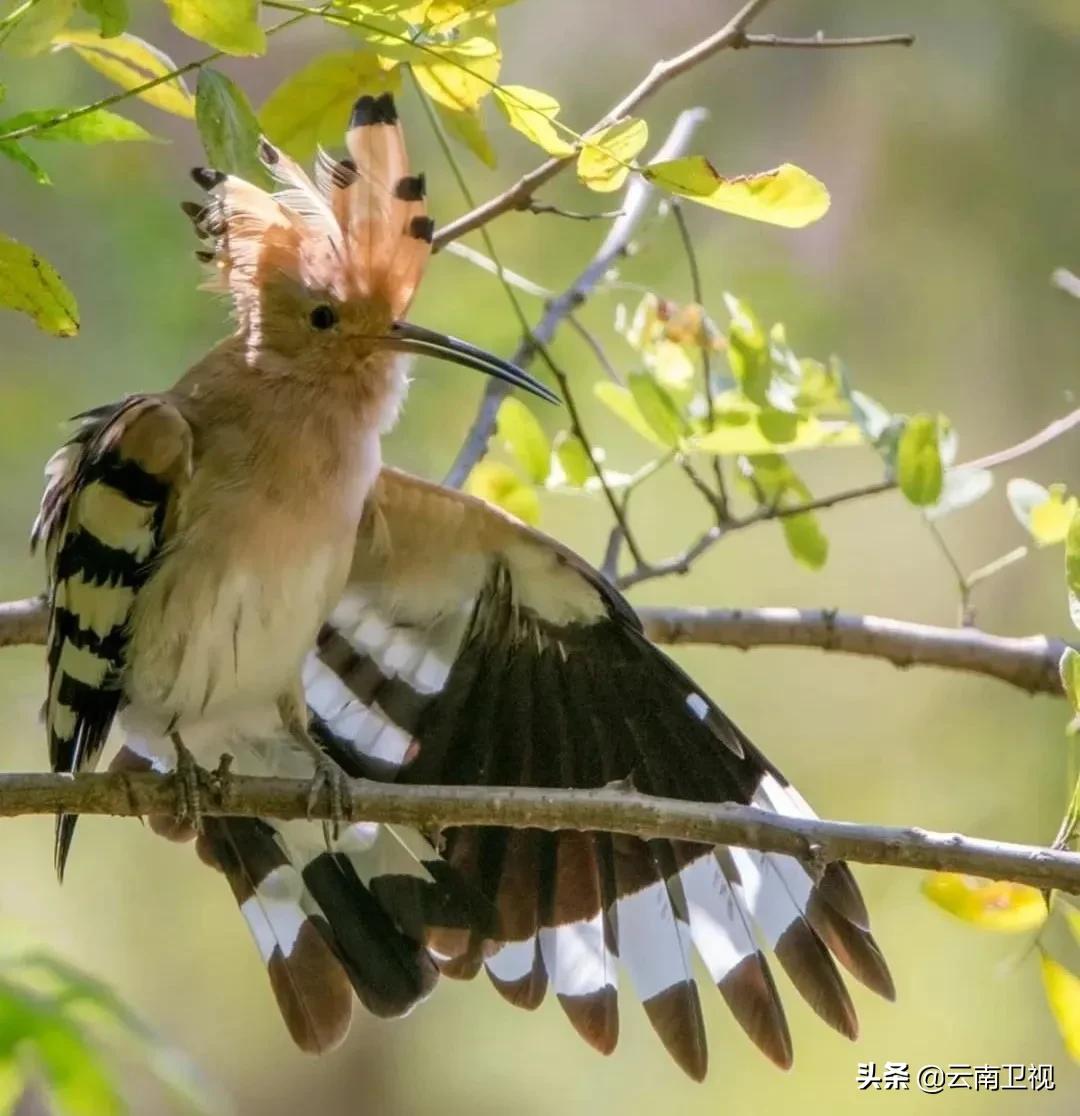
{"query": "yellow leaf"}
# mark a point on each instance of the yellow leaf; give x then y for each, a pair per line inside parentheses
(499, 484)
(988, 904)
(467, 125)
(29, 284)
(312, 106)
(604, 160)
(621, 402)
(787, 195)
(1050, 520)
(531, 113)
(131, 62)
(462, 73)
(229, 25)
(1063, 995)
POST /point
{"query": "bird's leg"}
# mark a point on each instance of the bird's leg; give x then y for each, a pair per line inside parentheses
(189, 791)
(327, 775)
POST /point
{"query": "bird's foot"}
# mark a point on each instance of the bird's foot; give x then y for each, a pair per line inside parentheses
(190, 781)
(330, 778)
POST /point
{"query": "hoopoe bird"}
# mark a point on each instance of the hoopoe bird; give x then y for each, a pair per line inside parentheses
(231, 567)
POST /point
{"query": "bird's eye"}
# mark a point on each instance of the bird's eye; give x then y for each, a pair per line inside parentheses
(323, 317)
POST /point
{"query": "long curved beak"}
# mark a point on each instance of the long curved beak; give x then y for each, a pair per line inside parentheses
(408, 338)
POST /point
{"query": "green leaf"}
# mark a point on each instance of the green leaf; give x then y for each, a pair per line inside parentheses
(786, 196)
(988, 904)
(603, 162)
(312, 106)
(458, 72)
(531, 113)
(227, 126)
(1072, 568)
(746, 432)
(621, 403)
(748, 352)
(918, 461)
(15, 151)
(1070, 676)
(1062, 990)
(805, 539)
(524, 437)
(112, 15)
(99, 126)
(962, 488)
(467, 127)
(32, 32)
(229, 25)
(498, 484)
(30, 284)
(131, 62)
(1045, 513)
(656, 407)
(573, 458)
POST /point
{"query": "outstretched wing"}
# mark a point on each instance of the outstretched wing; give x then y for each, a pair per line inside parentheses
(108, 506)
(469, 649)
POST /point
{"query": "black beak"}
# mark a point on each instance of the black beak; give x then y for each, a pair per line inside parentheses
(408, 338)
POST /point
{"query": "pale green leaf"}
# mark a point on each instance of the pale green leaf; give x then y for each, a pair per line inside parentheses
(460, 74)
(656, 407)
(229, 25)
(500, 485)
(531, 113)
(467, 127)
(988, 904)
(99, 126)
(1070, 676)
(962, 488)
(34, 30)
(312, 106)
(112, 15)
(30, 284)
(918, 461)
(605, 157)
(131, 62)
(621, 403)
(15, 151)
(227, 126)
(746, 432)
(786, 196)
(573, 458)
(524, 437)
(805, 539)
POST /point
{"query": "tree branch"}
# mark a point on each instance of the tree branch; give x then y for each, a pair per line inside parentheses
(819, 42)
(1027, 662)
(635, 206)
(607, 808)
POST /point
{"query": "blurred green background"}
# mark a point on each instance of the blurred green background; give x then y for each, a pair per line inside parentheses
(954, 172)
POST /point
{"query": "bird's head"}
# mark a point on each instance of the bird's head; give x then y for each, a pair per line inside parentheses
(322, 271)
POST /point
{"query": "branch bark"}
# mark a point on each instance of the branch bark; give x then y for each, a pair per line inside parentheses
(608, 809)
(1028, 662)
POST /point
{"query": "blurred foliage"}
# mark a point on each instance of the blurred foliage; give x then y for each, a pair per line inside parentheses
(935, 312)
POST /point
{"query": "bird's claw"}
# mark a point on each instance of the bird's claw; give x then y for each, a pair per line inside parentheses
(329, 777)
(190, 781)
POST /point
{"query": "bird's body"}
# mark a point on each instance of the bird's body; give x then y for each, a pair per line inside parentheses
(231, 569)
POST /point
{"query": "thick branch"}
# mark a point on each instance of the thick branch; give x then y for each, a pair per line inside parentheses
(635, 206)
(608, 809)
(1029, 662)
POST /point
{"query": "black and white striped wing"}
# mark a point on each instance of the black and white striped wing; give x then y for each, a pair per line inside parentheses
(470, 650)
(104, 517)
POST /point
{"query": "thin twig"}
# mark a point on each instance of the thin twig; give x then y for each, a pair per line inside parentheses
(570, 214)
(521, 193)
(604, 809)
(595, 345)
(820, 42)
(635, 206)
